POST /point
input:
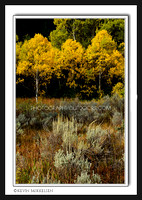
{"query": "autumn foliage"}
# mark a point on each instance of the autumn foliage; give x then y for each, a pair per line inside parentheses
(85, 73)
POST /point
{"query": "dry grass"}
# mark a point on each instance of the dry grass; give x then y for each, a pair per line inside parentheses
(101, 146)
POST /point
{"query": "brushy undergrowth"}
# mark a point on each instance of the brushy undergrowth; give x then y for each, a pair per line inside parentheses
(70, 142)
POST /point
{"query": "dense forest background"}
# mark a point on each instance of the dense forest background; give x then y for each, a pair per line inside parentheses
(81, 58)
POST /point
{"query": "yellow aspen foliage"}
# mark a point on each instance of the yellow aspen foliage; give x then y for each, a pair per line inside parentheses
(101, 42)
(33, 56)
(50, 64)
(91, 72)
(18, 49)
(19, 80)
(37, 59)
(71, 61)
(104, 60)
(117, 66)
(119, 89)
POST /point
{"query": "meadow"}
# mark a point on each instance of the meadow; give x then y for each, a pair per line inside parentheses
(69, 141)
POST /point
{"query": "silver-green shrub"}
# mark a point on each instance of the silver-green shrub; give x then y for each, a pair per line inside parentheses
(96, 178)
(95, 137)
(117, 118)
(19, 130)
(82, 146)
(70, 135)
(71, 160)
(68, 130)
(58, 126)
(21, 118)
(85, 178)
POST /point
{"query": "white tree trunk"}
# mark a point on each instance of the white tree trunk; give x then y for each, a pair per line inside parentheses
(73, 31)
(37, 86)
(99, 81)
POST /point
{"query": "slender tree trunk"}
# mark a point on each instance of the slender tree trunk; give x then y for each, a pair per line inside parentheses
(37, 86)
(73, 31)
(73, 35)
(99, 81)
